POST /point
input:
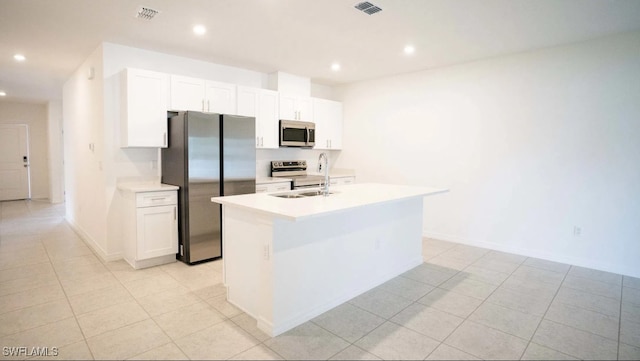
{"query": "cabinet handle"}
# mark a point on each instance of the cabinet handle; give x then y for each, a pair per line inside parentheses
(203, 105)
(164, 139)
(262, 141)
(257, 141)
(175, 213)
(159, 199)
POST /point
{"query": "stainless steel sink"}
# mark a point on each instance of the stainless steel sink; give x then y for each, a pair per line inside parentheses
(288, 195)
(299, 195)
(313, 193)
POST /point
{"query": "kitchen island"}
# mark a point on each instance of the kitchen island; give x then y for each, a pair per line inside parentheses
(288, 260)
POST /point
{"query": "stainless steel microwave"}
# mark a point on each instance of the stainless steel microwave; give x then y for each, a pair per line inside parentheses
(297, 134)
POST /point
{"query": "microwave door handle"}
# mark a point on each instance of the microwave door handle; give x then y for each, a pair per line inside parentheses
(308, 136)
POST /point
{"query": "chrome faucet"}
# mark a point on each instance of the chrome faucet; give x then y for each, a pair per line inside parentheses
(325, 189)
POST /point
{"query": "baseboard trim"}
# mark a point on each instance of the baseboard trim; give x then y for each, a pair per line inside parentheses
(535, 253)
(89, 241)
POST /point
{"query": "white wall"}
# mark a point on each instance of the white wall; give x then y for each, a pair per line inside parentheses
(530, 146)
(35, 116)
(84, 175)
(55, 152)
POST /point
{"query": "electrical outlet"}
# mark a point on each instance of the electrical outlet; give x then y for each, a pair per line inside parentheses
(577, 231)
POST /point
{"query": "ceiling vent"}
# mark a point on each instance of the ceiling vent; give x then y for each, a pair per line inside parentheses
(367, 8)
(146, 13)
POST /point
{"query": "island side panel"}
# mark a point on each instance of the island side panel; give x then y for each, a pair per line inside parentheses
(323, 261)
(247, 239)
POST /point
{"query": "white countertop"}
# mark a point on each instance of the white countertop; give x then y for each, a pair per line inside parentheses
(345, 197)
(137, 187)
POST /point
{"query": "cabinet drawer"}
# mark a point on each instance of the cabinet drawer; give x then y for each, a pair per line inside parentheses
(261, 189)
(151, 199)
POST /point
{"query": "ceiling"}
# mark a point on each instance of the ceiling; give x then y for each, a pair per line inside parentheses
(302, 37)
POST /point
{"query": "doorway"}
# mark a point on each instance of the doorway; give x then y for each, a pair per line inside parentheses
(15, 175)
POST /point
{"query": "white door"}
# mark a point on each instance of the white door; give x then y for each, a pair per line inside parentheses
(14, 162)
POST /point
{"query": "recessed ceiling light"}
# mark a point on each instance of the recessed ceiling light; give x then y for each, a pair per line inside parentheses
(199, 30)
(335, 66)
(19, 57)
(409, 49)
(3, 94)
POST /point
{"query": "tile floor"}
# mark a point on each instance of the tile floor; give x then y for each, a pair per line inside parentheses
(462, 303)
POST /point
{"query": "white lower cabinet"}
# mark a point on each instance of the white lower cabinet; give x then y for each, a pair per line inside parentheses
(151, 228)
(273, 187)
(342, 180)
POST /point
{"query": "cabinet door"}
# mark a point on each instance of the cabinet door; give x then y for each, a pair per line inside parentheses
(187, 93)
(144, 109)
(327, 115)
(247, 101)
(288, 108)
(220, 98)
(321, 115)
(304, 106)
(294, 107)
(267, 121)
(157, 231)
(334, 117)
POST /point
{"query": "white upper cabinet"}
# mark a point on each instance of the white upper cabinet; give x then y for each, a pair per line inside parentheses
(202, 95)
(263, 105)
(327, 115)
(294, 107)
(187, 93)
(143, 108)
(220, 97)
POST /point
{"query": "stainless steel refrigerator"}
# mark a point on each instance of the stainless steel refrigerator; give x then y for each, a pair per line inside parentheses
(209, 155)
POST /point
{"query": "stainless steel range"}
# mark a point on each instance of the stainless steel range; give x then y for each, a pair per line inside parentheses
(296, 170)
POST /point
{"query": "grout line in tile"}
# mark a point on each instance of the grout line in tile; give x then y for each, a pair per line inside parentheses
(620, 322)
(482, 303)
(75, 316)
(544, 314)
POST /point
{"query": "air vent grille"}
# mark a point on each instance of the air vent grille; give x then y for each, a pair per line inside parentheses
(367, 8)
(146, 13)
